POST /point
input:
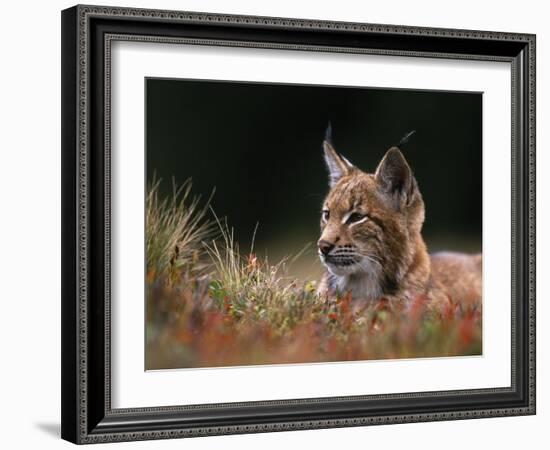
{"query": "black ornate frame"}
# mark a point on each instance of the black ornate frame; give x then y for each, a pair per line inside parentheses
(87, 33)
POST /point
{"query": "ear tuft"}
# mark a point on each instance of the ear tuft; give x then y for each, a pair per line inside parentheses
(328, 133)
(405, 139)
(337, 165)
(395, 177)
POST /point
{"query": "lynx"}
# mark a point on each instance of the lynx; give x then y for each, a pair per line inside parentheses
(371, 242)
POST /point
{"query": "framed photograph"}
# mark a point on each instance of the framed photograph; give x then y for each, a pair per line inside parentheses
(279, 224)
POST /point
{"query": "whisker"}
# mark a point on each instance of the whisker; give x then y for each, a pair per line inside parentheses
(373, 259)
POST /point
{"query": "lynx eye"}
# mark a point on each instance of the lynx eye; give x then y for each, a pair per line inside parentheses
(355, 217)
(325, 214)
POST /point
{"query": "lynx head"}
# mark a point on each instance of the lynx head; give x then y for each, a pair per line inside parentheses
(370, 223)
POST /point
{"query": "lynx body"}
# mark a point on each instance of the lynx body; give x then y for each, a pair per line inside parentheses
(371, 242)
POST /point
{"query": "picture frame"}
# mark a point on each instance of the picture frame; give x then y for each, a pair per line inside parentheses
(88, 33)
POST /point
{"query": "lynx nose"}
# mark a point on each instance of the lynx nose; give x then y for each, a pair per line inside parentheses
(325, 247)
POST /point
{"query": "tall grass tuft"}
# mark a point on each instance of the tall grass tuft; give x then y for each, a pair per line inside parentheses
(176, 228)
(252, 289)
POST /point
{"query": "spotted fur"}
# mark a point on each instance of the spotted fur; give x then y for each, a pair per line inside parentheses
(371, 242)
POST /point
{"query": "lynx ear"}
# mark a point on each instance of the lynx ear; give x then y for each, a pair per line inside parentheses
(395, 177)
(337, 165)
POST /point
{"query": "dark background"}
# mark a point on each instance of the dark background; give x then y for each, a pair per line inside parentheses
(259, 145)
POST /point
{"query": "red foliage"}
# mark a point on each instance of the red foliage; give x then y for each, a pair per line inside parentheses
(195, 330)
(466, 330)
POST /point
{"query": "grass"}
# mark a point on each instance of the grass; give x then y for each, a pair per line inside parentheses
(208, 305)
(176, 229)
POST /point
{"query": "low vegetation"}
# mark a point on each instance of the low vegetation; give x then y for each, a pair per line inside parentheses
(208, 305)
